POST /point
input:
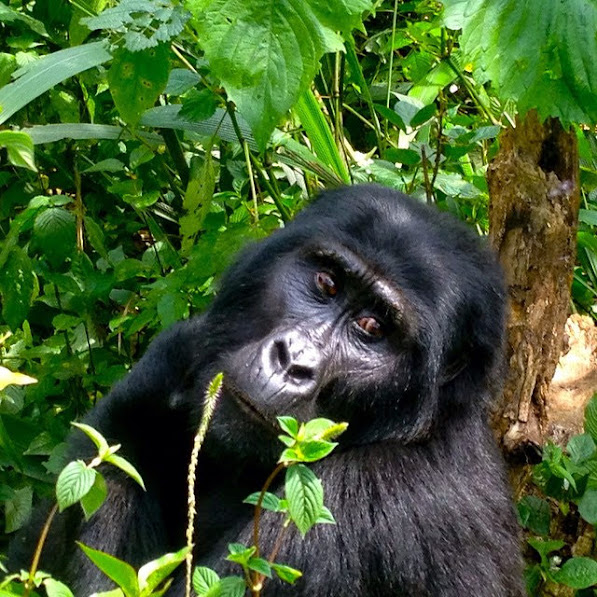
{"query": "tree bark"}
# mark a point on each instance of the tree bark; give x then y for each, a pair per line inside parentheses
(533, 214)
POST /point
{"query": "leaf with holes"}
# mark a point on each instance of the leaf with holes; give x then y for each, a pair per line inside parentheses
(136, 80)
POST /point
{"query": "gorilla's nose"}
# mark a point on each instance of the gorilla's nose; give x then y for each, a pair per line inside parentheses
(294, 356)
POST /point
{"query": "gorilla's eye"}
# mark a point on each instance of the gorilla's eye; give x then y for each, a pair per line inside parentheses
(326, 283)
(371, 326)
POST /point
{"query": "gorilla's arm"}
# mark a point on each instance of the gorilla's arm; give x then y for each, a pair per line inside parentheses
(131, 524)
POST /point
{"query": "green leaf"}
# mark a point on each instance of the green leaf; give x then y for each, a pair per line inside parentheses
(423, 115)
(120, 572)
(581, 448)
(126, 466)
(320, 137)
(312, 451)
(270, 501)
(304, 493)
(219, 125)
(325, 517)
(250, 44)
(544, 548)
(260, 565)
(55, 588)
(18, 287)
(95, 497)
(75, 480)
(286, 573)
(588, 216)
(203, 580)
(316, 428)
(591, 417)
(230, 586)
(534, 514)
(154, 573)
(19, 146)
(54, 232)
(199, 104)
(541, 54)
(391, 116)
(587, 506)
(41, 75)
(578, 573)
(136, 80)
(95, 436)
(290, 425)
(17, 509)
(181, 80)
(240, 553)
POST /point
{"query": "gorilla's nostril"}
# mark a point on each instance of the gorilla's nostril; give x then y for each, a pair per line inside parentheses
(280, 354)
(298, 373)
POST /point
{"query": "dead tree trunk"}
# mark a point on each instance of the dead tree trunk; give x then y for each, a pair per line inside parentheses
(533, 212)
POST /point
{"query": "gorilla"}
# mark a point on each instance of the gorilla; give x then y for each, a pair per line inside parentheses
(370, 308)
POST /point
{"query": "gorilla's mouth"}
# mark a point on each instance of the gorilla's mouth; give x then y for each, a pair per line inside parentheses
(246, 405)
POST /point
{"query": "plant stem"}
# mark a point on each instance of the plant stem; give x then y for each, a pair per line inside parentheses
(257, 516)
(38, 548)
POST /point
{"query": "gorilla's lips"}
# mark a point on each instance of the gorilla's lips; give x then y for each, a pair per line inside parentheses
(246, 405)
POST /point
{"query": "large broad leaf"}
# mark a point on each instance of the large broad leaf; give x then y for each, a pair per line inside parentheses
(541, 53)
(41, 75)
(266, 53)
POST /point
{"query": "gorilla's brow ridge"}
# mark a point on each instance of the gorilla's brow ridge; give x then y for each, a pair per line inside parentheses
(356, 267)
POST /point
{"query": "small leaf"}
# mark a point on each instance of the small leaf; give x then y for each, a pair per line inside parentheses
(286, 573)
(8, 377)
(199, 105)
(260, 565)
(587, 507)
(581, 448)
(534, 514)
(290, 425)
(304, 493)
(54, 232)
(95, 497)
(578, 573)
(17, 509)
(230, 586)
(55, 588)
(316, 450)
(95, 436)
(204, 579)
(120, 572)
(152, 574)
(19, 147)
(75, 480)
(126, 466)
(325, 517)
(239, 553)
(270, 501)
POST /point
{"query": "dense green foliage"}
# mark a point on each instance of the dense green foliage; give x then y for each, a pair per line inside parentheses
(147, 140)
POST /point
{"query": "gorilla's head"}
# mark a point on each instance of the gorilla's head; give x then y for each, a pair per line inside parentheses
(369, 308)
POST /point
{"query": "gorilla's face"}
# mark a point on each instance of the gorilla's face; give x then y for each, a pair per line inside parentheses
(368, 308)
(342, 330)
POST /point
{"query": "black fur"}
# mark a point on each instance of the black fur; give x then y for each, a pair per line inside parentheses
(417, 485)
